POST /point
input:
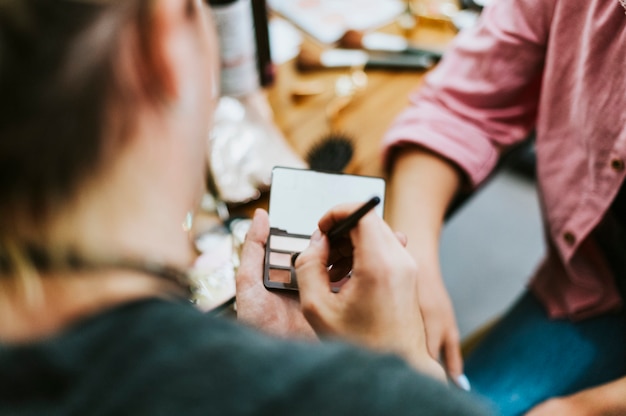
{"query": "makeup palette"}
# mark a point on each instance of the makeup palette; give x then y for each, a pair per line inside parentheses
(298, 199)
(280, 250)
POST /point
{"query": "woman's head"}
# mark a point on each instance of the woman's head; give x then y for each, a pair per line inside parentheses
(80, 80)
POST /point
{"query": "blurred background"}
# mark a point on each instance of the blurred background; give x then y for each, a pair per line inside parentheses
(297, 71)
(490, 247)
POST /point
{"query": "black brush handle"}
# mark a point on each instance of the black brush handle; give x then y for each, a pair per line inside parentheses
(393, 60)
(414, 50)
(348, 223)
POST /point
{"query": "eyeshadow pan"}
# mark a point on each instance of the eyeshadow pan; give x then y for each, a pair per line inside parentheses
(280, 276)
(285, 243)
(280, 259)
(280, 248)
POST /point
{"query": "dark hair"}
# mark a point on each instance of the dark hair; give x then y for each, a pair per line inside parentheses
(58, 80)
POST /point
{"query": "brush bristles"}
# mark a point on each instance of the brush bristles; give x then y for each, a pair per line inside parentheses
(332, 153)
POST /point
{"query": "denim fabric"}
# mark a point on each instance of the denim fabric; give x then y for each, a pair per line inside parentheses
(527, 357)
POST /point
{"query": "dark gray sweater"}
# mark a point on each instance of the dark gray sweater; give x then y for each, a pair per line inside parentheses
(161, 358)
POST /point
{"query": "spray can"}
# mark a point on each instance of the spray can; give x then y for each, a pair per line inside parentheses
(235, 29)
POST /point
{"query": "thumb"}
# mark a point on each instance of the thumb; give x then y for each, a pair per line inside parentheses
(313, 278)
(253, 252)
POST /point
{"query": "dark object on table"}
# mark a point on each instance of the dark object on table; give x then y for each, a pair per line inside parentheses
(310, 59)
(384, 42)
(261, 30)
(332, 153)
(472, 5)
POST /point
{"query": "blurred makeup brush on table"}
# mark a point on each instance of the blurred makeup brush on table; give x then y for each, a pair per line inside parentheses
(334, 151)
(309, 59)
(384, 42)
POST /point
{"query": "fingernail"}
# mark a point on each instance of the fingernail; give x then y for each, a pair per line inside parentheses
(463, 383)
(317, 236)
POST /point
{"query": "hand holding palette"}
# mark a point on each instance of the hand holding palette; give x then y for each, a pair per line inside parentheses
(298, 199)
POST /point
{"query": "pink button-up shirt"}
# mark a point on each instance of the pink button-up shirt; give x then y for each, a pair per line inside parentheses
(559, 66)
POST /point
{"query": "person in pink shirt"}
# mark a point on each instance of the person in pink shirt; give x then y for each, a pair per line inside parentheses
(556, 66)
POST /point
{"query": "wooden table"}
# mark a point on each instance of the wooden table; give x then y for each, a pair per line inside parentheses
(366, 118)
(303, 122)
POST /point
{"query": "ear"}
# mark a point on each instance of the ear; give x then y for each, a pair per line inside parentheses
(162, 49)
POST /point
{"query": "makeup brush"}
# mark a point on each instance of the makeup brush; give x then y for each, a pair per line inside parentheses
(342, 227)
(332, 153)
(309, 59)
(376, 41)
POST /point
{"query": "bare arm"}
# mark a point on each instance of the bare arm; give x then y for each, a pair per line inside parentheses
(607, 399)
(378, 305)
(373, 308)
(421, 188)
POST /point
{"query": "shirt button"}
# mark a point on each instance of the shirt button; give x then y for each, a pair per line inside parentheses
(570, 238)
(617, 165)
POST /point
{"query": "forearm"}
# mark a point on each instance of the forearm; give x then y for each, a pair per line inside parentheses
(605, 400)
(421, 188)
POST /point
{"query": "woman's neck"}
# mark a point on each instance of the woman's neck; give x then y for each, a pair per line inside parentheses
(37, 309)
(133, 210)
(136, 209)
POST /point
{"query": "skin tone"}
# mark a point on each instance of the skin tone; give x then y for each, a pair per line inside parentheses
(419, 176)
(605, 400)
(115, 210)
(115, 213)
(378, 303)
(372, 309)
(275, 312)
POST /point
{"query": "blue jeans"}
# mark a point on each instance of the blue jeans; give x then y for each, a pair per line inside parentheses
(527, 357)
